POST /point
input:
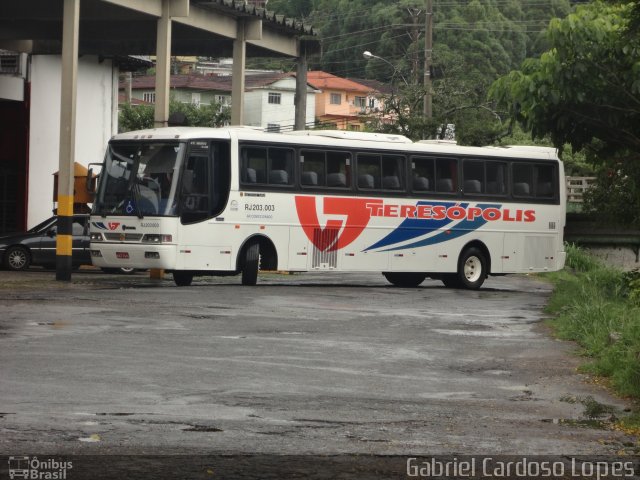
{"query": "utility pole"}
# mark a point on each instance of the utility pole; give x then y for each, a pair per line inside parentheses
(428, 48)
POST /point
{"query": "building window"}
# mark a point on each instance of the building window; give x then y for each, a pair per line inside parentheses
(354, 127)
(360, 102)
(195, 98)
(336, 99)
(275, 98)
(149, 97)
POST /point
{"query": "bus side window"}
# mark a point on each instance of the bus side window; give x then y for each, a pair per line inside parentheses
(393, 172)
(338, 170)
(423, 174)
(522, 177)
(369, 171)
(254, 165)
(312, 172)
(280, 166)
(473, 176)
(544, 175)
(446, 175)
(496, 173)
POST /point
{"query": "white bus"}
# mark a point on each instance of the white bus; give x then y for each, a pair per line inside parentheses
(196, 201)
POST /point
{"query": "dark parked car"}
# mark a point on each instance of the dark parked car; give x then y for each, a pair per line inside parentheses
(38, 246)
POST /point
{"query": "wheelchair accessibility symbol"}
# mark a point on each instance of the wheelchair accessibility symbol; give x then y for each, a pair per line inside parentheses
(130, 207)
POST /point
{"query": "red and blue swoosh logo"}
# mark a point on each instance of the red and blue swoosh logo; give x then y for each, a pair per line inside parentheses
(357, 213)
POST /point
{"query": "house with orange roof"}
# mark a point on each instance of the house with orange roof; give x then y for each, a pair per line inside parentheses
(341, 103)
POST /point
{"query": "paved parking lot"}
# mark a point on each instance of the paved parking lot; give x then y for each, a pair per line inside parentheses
(317, 363)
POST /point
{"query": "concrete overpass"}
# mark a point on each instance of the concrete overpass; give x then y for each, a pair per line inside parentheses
(163, 28)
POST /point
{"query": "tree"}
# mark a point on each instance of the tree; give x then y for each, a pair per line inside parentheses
(586, 87)
(585, 92)
(139, 117)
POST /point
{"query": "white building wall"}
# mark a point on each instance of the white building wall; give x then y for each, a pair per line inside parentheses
(258, 112)
(253, 108)
(95, 123)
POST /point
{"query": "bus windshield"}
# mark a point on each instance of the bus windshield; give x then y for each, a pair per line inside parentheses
(139, 179)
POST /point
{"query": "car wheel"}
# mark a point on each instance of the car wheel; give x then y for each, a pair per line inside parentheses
(405, 279)
(251, 264)
(17, 258)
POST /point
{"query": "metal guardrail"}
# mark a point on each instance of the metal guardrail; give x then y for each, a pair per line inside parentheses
(576, 186)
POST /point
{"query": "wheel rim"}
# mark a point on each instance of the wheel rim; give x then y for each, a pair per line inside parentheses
(472, 269)
(17, 259)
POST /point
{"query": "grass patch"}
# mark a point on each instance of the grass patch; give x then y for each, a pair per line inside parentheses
(596, 306)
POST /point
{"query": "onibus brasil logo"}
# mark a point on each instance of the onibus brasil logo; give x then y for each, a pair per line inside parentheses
(423, 223)
(36, 469)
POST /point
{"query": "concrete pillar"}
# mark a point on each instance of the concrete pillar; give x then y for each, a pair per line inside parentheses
(301, 91)
(163, 66)
(237, 84)
(64, 238)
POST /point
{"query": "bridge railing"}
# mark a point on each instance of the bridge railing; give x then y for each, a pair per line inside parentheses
(576, 186)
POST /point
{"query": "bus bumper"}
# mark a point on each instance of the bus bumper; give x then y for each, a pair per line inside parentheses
(119, 255)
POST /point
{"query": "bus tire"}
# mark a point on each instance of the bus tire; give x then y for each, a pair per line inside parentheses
(472, 268)
(251, 264)
(182, 278)
(405, 279)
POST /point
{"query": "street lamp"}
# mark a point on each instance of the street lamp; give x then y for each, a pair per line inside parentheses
(368, 55)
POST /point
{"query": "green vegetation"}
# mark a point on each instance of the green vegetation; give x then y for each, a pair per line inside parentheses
(139, 117)
(584, 92)
(599, 308)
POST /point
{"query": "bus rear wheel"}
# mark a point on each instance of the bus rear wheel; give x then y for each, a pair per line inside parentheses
(405, 279)
(182, 279)
(472, 268)
(251, 264)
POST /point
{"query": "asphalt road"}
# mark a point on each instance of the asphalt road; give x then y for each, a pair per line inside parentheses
(308, 364)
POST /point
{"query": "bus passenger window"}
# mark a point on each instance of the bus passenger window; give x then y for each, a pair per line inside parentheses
(446, 175)
(338, 169)
(369, 171)
(473, 174)
(423, 174)
(324, 169)
(392, 172)
(254, 165)
(544, 181)
(522, 175)
(496, 174)
(280, 166)
(313, 167)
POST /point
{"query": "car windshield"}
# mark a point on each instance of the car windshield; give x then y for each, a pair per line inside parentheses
(139, 179)
(41, 226)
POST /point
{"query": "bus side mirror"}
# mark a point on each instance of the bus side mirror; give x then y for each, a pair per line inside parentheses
(91, 179)
(90, 183)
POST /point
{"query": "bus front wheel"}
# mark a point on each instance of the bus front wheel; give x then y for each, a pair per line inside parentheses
(472, 268)
(182, 279)
(251, 264)
(405, 279)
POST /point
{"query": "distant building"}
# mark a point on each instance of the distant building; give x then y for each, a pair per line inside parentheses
(343, 103)
(269, 97)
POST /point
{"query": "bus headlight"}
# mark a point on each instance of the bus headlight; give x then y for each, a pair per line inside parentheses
(156, 238)
(96, 237)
